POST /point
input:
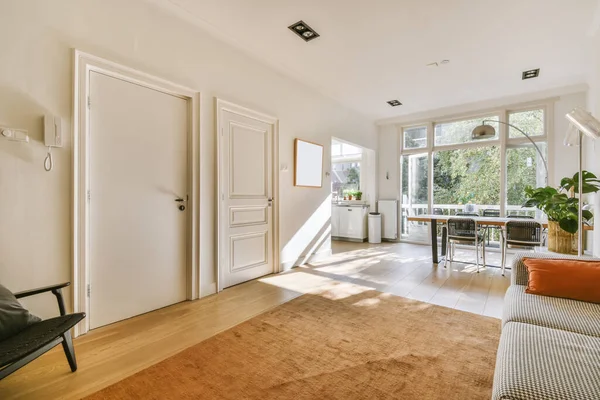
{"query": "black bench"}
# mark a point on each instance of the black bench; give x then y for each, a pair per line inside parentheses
(38, 338)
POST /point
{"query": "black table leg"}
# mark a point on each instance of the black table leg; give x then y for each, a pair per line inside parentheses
(434, 250)
(434, 247)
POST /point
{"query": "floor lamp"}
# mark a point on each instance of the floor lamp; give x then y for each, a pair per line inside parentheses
(486, 131)
(582, 122)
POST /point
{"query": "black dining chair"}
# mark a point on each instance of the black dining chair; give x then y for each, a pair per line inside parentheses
(526, 234)
(464, 230)
(490, 212)
(467, 214)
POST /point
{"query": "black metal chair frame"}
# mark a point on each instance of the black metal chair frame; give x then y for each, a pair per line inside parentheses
(472, 234)
(528, 234)
(20, 349)
(491, 212)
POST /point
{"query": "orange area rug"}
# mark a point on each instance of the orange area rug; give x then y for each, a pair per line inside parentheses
(369, 345)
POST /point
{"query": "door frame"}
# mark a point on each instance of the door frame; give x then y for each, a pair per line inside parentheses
(85, 63)
(223, 105)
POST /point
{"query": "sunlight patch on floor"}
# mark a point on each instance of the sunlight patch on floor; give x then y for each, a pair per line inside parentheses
(307, 283)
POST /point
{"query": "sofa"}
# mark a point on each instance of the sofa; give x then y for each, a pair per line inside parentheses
(549, 347)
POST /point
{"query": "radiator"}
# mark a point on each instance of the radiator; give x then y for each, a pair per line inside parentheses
(389, 218)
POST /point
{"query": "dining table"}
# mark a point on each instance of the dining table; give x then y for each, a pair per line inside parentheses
(435, 219)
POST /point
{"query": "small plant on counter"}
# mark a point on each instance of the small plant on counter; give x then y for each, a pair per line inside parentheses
(348, 194)
(358, 195)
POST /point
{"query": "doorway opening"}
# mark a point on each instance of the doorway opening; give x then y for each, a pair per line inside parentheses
(353, 172)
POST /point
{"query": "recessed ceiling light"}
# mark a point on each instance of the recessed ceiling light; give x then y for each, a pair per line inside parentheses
(532, 73)
(302, 29)
(394, 103)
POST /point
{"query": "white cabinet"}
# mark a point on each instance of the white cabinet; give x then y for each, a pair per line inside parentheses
(349, 222)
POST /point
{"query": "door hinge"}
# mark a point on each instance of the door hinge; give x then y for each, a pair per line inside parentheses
(222, 130)
(89, 102)
(89, 196)
(222, 196)
(89, 290)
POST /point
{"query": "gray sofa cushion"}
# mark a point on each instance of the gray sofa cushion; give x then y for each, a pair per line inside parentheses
(551, 312)
(13, 317)
(534, 362)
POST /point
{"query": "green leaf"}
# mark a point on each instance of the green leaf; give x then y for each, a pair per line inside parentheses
(568, 225)
(587, 214)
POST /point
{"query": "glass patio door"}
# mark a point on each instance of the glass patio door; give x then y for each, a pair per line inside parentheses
(415, 197)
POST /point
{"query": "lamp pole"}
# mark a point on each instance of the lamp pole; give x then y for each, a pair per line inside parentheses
(528, 138)
(580, 214)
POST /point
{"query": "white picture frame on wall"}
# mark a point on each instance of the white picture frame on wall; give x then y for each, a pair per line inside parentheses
(308, 164)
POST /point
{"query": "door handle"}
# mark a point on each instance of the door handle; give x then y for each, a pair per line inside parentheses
(181, 200)
(270, 200)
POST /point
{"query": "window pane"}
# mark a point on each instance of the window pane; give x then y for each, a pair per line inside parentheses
(414, 196)
(415, 138)
(524, 168)
(344, 179)
(466, 180)
(531, 122)
(460, 131)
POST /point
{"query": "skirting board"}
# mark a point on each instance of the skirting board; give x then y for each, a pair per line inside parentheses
(287, 265)
(208, 289)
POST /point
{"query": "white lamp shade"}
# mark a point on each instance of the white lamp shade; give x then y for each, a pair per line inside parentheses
(572, 136)
(584, 122)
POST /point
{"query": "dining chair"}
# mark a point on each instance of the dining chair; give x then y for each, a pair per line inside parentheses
(527, 234)
(490, 212)
(467, 214)
(464, 230)
(520, 216)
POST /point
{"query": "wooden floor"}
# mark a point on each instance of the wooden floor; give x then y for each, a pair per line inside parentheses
(109, 354)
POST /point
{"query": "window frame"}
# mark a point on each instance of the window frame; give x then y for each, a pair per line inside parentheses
(503, 142)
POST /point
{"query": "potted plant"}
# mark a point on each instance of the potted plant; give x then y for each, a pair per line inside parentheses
(561, 206)
(348, 193)
(358, 195)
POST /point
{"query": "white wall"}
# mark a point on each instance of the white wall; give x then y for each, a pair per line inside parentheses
(37, 38)
(564, 157)
(593, 147)
(388, 179)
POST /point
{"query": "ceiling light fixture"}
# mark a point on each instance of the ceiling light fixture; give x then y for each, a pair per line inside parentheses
(394, 103)
(302, 29)
(532, 73)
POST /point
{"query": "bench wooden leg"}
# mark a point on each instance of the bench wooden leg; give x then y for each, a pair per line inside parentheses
(67, 344)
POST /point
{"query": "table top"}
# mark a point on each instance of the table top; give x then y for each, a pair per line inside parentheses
(491, 221)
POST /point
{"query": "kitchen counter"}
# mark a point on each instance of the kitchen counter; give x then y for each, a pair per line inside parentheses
(349, 221)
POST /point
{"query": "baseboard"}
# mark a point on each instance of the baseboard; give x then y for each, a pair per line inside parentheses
(208, 289)
(287, 265)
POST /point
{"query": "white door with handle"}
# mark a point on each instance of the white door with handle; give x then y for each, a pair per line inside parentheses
(138, 187)
(247, 202)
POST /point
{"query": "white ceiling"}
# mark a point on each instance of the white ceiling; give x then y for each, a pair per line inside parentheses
(371, 51)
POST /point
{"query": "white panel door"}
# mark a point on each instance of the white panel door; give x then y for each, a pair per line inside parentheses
(246, 220)
(138, 169)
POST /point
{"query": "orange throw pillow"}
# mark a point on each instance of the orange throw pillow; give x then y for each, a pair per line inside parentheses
(570, 279)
